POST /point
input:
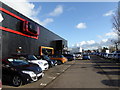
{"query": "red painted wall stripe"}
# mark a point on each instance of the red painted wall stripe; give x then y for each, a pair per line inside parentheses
(16, 32)
(2, 9)
(13, 31)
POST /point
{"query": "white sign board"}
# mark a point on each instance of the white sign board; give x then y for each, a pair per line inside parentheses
(1, 17)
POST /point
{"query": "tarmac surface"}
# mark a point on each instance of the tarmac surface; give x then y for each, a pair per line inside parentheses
(94, 73)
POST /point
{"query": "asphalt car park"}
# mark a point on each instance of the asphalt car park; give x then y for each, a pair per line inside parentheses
(95, 73)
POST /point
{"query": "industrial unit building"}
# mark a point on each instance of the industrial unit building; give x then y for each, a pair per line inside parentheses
(19, 32)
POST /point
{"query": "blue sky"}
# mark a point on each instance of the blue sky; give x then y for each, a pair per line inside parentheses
(92, 14)
(81, 23)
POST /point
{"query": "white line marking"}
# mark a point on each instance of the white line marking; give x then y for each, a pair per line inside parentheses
(58, 73)
(52, 77)
(43, 84)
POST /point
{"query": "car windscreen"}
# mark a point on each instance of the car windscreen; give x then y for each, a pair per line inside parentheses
(46, 58)
(31, 57)
(17, 62)
(61, 56)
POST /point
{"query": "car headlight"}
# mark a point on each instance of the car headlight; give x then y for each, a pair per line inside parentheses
(32, 74)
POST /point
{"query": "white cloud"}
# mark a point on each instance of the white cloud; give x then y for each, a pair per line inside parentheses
(105, 40)
(111, 34)
(81, 26)
(91, 44)
(27, 9)
(23, 6)
(37, 11)
(47, 20)
(100, 36)
(109, 13)
(57, 11)
(82, 43)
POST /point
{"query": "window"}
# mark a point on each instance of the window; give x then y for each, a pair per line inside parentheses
(30, 28)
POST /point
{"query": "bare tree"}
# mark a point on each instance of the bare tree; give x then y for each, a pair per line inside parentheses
(116, 20)
(116, 25)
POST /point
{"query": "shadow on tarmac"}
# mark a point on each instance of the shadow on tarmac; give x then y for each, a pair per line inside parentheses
(110, 67)
(109, 72)
(115, 83)
(105, 64)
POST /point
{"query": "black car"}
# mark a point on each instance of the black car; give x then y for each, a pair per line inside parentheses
(50, 61)
(86, 57)
(70, 57)
(19, 72)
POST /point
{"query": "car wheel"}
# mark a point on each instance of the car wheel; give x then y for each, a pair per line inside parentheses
(17, 81)
(51, 66)
(59, 62)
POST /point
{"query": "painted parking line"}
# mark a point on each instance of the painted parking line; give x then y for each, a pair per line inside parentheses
(43, 84)
(57, 73)
(63, 70)
(52, 77)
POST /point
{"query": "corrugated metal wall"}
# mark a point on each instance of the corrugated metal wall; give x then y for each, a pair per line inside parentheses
(11, 41)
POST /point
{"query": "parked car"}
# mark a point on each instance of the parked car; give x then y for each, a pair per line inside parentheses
(78, 56)
(110, 56)
(70, 57)
(103, 55)
(106, 55)
(116, 56)
(50, 61)
(60, 58)
(33, 59)
(116, 52)
(20, 72)
(86, 57)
